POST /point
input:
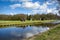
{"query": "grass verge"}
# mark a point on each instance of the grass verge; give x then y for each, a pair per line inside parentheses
(52, 34)
(4, 23)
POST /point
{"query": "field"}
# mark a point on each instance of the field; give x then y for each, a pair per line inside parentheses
(4, 23)
(52, 34)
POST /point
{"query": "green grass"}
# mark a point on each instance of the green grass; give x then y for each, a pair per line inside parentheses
(3, 23)
(52, 34)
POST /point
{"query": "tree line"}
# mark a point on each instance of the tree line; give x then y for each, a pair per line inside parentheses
(23, 17)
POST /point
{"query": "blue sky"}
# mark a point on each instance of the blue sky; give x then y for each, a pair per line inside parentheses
(27, 6)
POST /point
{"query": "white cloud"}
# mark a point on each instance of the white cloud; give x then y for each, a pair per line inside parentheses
(45, 9)
(49, 10)
(41, 9)
(52, 10)
(44, 6)
(48, 3)
(17, 0)
(35, 11)
(29, 13)
(31, 5)
(27, 4)
(15, 6)
(36, 6)
(55, 11)
(11, 13)
(25, 0)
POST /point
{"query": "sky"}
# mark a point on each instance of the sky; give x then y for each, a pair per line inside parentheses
(29, 7)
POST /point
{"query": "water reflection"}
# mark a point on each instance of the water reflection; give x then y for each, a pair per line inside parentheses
(19, 33)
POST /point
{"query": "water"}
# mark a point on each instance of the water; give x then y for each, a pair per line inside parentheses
(20, 33)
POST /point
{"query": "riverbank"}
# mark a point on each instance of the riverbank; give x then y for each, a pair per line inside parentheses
(52, 34)
(8, 23)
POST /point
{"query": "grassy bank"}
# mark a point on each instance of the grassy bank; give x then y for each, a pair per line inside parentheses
(3, 23)
(52, 34)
